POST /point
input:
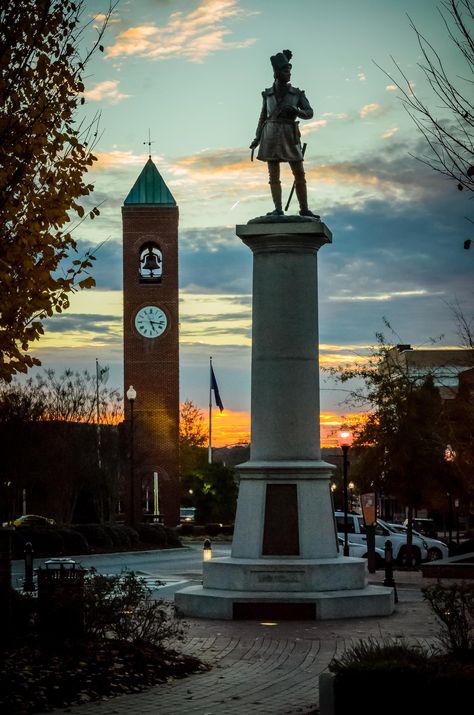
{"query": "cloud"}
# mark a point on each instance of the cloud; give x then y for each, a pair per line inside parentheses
(389, 133)
(311, 127)
(106, 91)
(192, 35)
(368, 109)
(336, 115)
(117, 158)
(385, 296)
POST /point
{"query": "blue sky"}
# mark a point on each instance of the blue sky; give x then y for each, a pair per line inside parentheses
(191, 73)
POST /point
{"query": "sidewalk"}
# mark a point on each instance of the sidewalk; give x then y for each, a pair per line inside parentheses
(269, 668)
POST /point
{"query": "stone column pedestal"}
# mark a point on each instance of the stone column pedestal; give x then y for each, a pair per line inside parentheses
(285, 558)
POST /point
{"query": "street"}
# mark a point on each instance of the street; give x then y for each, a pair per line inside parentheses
(173, 568)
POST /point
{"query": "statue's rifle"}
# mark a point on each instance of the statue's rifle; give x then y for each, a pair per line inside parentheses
(293, 187)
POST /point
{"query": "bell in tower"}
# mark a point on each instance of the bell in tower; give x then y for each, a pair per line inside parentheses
(151, 263)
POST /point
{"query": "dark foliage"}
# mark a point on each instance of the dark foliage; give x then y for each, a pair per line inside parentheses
(154, 534)
(128, 643)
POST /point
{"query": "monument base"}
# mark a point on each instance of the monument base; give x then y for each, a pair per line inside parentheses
(199, 602)
(296, 589)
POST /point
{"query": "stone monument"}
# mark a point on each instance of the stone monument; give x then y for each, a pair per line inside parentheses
(285, 560)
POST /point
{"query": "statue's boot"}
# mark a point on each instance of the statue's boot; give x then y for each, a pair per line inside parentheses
(275, 188)
(302, 194)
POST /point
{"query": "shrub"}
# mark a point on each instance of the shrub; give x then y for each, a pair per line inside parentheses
(172, 537)
(152, 534)
(454, 606)
(119, 535)
(23, 613)
(44, 541)
(187, 529)
(95, 535)
(382, 669)
(132, 534)
(74, 542)
(228, 529)
(374, 655)
(119, 607)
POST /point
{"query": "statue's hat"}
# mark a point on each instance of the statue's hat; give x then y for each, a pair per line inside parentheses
(281, 59)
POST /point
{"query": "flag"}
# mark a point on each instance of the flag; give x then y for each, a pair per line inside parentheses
(214, 387)
(102, 373)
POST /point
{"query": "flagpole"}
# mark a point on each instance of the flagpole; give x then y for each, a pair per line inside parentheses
(209, 458)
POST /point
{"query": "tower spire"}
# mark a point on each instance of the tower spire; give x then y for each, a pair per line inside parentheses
(149, 142)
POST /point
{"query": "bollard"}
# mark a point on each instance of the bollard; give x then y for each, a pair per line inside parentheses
(389, 580)
(207, 550)
(28, 584)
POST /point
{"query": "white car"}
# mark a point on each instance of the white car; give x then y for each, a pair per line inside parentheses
(360, 551)
(436, 549)
(357, 534)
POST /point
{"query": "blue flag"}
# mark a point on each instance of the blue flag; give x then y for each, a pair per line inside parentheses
(214, 387)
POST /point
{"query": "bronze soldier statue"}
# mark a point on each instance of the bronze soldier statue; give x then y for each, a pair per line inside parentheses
(278, 133)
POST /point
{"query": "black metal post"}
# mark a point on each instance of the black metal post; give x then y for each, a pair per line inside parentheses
(450, 520)
(28, 583)
(389, 580)
(345, 464)
(132, 467)
(371, 560)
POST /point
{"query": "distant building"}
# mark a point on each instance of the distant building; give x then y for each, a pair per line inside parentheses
(445, 365)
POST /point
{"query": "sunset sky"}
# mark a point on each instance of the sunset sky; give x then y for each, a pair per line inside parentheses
(190, 72)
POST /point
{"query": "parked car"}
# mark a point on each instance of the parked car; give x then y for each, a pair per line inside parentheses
(383, 532)
(360, 551)
(30, 520)
(436, 549)
(426, 527)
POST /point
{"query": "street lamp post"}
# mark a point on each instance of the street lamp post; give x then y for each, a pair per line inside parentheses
(351, 498)
(450, 456)
(345, 441)
(131, 395)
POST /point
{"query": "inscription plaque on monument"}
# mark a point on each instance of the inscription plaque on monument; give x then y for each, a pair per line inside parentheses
(280, 531)
(293, 578)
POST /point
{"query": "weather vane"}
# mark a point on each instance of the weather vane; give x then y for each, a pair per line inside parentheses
(149, 142)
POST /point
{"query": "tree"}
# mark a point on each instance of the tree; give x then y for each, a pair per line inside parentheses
(44, 156)
(214, 493)
(69, 397)
(447, 123)
(192, 441)
(401, 443)
(50, 444)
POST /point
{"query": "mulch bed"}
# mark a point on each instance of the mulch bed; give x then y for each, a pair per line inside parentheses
(43, 676)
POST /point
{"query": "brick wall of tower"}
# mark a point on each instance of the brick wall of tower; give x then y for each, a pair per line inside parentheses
(152, 365)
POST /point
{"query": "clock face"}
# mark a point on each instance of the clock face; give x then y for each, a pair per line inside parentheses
(151, 321)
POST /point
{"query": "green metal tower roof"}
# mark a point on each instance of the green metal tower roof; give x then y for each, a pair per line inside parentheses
(150, 188)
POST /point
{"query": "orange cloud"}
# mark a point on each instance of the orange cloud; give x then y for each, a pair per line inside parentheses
(106, 91)
(192, 35)
(368, 109)
(388, 133)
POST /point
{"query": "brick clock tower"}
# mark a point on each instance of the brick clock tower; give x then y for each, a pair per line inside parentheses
(151, 352)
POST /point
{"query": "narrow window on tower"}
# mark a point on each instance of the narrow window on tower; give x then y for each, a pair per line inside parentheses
(151, 263)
